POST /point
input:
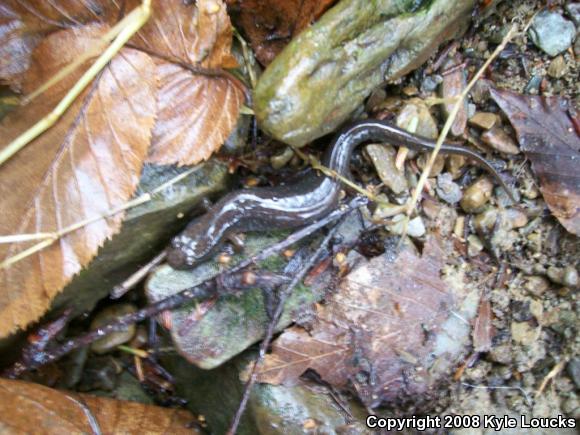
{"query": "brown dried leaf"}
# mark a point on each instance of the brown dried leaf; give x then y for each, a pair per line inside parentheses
(89, 163)
(380, 331)
(24, 23)
(198, 36)
(195, 115)
(271, 24)
(190, 37)
(196, 111)
(32, 408)
(547, 136)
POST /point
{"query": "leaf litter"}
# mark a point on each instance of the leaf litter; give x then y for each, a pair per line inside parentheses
(90, 162)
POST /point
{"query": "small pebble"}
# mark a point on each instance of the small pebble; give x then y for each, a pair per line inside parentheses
(524, 333)
(529, 188)
(552, 33)
(410, 91)
(383, 158)
(385, 209)
(447, 190)
(474, 245)
(558, 67)
(280, 160)
(573, 369)
(484, 120)
(536, 285)
(452, 86)
(477, 195)
(567, 276)
(416, 112)
(437, 165)
(430, 83)
(573, 10)
(455, 164)
(416, 227)
(571, 407)
(499, 140)
(111, 341)
(570, 277)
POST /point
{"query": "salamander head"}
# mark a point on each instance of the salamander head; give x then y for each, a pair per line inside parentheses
(185, 252)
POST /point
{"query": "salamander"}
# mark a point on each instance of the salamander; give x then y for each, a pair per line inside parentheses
(293, 205)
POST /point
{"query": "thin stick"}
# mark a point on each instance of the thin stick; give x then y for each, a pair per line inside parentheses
(553, 373)
(140, 18)
(315, 164)
(205, 290)
(272, 326)
(120, 290)
(447, 127)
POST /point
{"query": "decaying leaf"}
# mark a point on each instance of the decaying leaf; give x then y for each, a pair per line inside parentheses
(90, 163)
(270, 24)
(196, 112)
(33, 408)
(191, 38)
(391, 331)
(547, 136)
(195, 115)
(155, 100)
(200, 36)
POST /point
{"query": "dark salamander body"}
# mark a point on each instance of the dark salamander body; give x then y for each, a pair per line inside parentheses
(295, 205)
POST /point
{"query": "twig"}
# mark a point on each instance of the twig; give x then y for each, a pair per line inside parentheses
(553, 373)
(447, 127)
(119, 290)
(204, 290)
(315, 164)
(272, 326)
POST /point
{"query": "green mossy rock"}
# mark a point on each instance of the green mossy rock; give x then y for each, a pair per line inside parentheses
(326, 72)
(235, 322)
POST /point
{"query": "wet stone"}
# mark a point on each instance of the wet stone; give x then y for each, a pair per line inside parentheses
(563, 275)
(573, 11)
(234, 322)
(416, 113)
(111, 341)
(499, 140)
(484, 120)
(536, 285)
(524, 333)
(477, 195)
(570, 277)
(448, 191)
(474, 245)
(558, 67)
(573, 370)
(452, 86)
(552, 33)
(383, 158)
